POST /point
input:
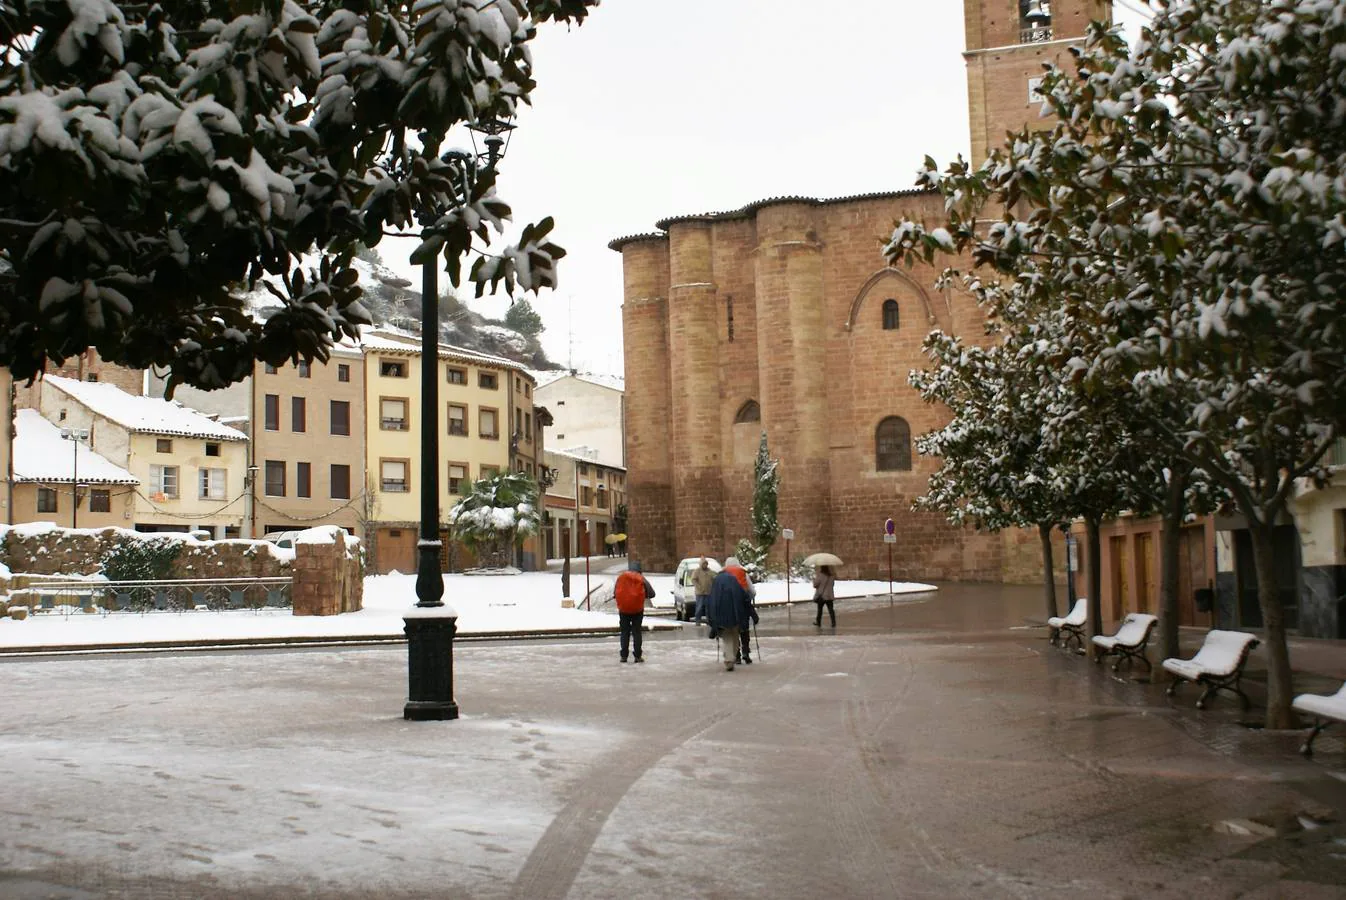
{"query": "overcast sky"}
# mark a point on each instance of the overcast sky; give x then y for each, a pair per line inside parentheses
(657, 108)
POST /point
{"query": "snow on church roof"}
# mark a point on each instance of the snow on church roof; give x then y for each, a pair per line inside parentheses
(42, 455)
(148, 415)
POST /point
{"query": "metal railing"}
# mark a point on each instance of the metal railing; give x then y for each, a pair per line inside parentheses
(1337, 455)
(1035, 35)
(55, 594)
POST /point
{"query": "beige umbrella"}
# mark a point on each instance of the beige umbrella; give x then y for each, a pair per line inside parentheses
(822, 559)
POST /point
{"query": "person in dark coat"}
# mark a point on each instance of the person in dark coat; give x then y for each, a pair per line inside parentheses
(729, 612)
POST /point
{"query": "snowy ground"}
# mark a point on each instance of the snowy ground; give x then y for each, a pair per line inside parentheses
(529, 603)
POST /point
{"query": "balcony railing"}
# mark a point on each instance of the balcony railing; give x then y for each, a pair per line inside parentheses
(1337, 455)
(390, 424)
(395, 485)
(1035, 35)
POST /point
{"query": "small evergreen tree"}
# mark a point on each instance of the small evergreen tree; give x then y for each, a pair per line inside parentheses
(524, 319)
(765, 528)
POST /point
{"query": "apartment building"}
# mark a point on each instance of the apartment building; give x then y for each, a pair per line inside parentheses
(57, 478)
(191, 469)
(584, 503)
(588, 410)
(308, 444)
(488, 424)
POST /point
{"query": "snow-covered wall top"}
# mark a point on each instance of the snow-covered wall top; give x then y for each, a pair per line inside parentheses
(147, 415)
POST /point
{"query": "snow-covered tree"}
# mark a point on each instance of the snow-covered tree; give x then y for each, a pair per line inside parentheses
(158, 160)
(1190, 205)
(994, 470)
(495, 515)
(765, 490)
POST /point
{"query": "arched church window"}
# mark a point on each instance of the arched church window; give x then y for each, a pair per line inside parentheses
(748, 412)
(892, 445)
(890, 315)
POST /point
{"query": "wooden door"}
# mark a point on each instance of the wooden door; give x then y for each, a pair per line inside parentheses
(1121, 577)
(1191, 572)
(1147, 584)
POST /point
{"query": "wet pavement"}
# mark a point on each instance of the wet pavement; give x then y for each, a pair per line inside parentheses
(935, 748)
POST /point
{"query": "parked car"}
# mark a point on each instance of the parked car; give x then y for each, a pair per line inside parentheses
(684, 595)
(283, 539)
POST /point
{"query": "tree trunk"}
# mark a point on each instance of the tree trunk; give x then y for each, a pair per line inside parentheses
(1169, 539)
(1048, 570)
(1095, 581)
(1280, 686)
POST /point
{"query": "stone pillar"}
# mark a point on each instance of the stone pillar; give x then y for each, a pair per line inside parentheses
(328, 577)
(694, 390)
(649, 438)
(791, 350)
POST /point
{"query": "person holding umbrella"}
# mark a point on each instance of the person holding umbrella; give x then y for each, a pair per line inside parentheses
(824, 585)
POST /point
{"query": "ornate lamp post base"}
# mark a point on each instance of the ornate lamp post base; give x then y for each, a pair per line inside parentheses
(430, 632)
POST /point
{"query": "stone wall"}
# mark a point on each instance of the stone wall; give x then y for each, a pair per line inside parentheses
(46, 549)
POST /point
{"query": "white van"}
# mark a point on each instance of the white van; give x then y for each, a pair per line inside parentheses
(684, 594)
(284, 539)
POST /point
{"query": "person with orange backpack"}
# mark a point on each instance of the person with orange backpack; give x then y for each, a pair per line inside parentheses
(631, 592)
(735, 568)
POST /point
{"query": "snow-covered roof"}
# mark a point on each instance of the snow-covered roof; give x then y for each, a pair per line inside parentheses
(41, 454)
(602, 379)
(385, 340)
(584, 454)
(145, 415)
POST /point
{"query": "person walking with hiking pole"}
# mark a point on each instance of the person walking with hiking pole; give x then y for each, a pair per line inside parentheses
(733, 566)
(730, 614)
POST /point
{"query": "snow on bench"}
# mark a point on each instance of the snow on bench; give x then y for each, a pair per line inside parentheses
(1324, 709)
(1071, 625)
(1218, 665)
(1129, 642)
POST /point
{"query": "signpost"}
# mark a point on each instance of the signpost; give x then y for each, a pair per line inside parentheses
(588, 601)
(890, 538)
(789, 535)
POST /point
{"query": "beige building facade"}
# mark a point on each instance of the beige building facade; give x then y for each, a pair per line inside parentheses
(190, 468)
(58, 478)
(587, 411)
(584, 504)
(487, 424)
(307, 423)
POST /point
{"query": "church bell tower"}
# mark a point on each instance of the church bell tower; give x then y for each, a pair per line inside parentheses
(1007, 43)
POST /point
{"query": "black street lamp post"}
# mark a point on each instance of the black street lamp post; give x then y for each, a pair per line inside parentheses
(431, 625)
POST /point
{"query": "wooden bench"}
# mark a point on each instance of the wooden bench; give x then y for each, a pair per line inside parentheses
(1324, 709)
(1129, 642)
(1070, 625)
(1218, 665)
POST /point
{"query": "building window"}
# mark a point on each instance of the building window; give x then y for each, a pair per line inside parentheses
(489, 471)
(518, 423)
(488, 423)
(392, 368)
(92, 376)
(586, 495)
(890, 315)
(560, 437)
(212, 449)
(298, 414)
(527, 390)
(343, 372)
(393, 413)
(272, 412)
(393, 476)
(892, 445)
(212, 484)
(341, 417)
(748, 412)
(487, 380)
(275, 478)
(100, 500)
(528, 426)
(602, 498)
(341, 482)
(163, 445)
(270, 369)
(729, 317)
(46, 500)
(457, 420)
(457, 475)
(303, 479)
(455, 375)
(164, 480)
(304, 370)
(582, 468)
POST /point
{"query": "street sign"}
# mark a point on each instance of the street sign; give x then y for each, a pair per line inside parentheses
(889, 528)
(890, 539)
(788, 534)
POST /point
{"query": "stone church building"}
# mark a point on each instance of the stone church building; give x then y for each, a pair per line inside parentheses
(782, 317)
